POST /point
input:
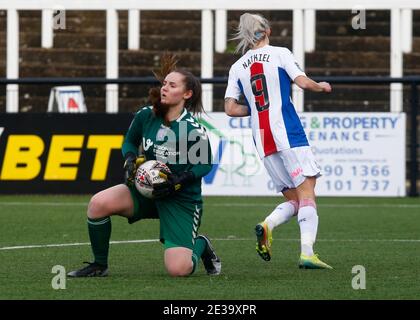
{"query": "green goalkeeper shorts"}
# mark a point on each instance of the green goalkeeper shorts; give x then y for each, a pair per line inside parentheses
(179, 219)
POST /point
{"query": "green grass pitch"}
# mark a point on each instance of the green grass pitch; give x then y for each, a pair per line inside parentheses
(380, 234)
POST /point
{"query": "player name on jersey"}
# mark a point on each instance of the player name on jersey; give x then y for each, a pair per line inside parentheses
(260, 57)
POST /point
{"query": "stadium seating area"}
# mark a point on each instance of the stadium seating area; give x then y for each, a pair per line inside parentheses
(79, 51)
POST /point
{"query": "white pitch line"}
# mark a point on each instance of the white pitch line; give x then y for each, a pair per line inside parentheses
(326, 240)
(51, 204)
(216, 239)
(326, 205)
(74, 244)
(241, 205)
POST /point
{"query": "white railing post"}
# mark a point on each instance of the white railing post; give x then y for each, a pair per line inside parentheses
(396, 61)
(47, 33)
(310, 30)
(12, 90)
(133, 29)
(407, 30)
(299, 53)
(207, 57)
(221, 30)
(111, 60)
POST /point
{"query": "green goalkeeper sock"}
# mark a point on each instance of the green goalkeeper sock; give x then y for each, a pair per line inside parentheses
(199, 247)
(99, 234)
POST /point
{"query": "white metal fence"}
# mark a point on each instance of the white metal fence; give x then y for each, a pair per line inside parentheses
(303, 33)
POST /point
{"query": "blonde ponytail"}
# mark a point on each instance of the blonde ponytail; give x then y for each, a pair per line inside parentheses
(252, 29)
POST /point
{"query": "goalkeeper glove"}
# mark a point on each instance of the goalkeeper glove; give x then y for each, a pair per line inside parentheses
(173, 182)
(130, 167)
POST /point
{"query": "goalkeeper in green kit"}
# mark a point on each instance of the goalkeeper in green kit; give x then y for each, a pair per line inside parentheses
(167, 132)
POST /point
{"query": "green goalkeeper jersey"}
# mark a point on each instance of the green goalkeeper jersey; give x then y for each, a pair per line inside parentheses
(183, 146)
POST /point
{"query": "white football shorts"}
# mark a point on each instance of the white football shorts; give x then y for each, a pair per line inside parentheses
(289, 168)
